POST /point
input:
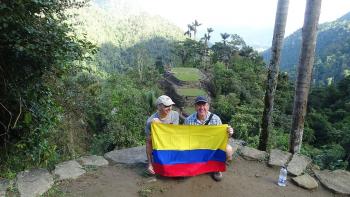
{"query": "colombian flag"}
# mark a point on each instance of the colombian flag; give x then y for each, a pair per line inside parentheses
(188, 150)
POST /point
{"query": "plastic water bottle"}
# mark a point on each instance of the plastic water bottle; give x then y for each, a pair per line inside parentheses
(282, 178)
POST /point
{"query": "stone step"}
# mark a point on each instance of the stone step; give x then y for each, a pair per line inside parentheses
(128, 156)
(337, 181)
(93, 160)
(279, 158)
(298, 164)
(68, 170)
(34, 182)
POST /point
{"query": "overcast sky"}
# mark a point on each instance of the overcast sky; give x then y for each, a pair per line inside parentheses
(252, 19)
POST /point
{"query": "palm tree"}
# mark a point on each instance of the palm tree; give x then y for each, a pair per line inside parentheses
(306, 60)
(195, 24)
(209, 30)
(224, 36)
(189, 30)
(272, 76)
(207, 36)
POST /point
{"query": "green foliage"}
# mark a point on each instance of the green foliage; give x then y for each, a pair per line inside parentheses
(246, 121)
(328, 122)
(124, 38)
(225, 106)
(328, 156)
(222, 52)
(37, 47)
(279, 138)
(190, 52)
(102, 143)
(37, 147)
(121, 111)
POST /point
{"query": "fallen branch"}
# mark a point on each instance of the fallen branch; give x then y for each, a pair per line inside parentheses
(8, 126)
(19, 114)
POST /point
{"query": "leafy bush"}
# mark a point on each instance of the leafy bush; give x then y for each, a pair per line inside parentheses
(246, 121)
(37, 47)
(36, 147)
(122, 109)
(331, 157)
(225, 106)
(279, 139)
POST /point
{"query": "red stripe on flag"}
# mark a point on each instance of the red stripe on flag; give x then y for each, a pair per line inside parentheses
(189, 169)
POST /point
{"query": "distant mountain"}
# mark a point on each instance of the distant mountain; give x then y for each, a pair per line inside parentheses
(122, 24)
(122, 34)
(332, 60)
(345, 17)
(259, 48)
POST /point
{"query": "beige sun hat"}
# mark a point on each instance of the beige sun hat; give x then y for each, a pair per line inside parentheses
(165, 100)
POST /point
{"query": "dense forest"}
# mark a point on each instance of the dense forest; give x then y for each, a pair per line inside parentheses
(78, 79)
(332, 61)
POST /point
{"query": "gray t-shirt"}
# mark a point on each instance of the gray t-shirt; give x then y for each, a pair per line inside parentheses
(173, 118)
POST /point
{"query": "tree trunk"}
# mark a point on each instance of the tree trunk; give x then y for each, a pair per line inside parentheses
(306, 60)
(272, 76)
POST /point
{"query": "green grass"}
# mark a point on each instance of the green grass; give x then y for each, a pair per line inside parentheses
(186, 74)
(190, 92)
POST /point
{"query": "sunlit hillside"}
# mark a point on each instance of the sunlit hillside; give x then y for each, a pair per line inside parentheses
(332, 61)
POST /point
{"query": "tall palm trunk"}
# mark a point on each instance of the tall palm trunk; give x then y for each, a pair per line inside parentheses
(272, 76)
(306, 60)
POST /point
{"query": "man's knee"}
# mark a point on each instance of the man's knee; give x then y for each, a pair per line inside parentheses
(229, 150)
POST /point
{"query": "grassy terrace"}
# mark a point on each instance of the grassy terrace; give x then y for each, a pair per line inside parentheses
(189, 110)
(186, 74)
(190, 92)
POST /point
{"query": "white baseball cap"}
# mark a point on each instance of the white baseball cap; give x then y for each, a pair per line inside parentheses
(165, 100)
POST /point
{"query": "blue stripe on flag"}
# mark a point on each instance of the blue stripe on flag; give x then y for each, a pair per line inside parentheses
(188, 156)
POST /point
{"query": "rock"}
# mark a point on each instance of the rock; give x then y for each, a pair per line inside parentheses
(68, 170)
(337, 181)
(278, 157)
(253, 154)
(236, 145)
(93, 160)
(306, 181)
(128, 156)
(4, 184)
(238, 142)
(151, 180)
(34, 182)
(298, 164)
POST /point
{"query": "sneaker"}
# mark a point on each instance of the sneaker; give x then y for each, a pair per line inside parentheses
(217, 176)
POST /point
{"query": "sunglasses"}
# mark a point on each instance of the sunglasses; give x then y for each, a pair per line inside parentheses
(167, 106)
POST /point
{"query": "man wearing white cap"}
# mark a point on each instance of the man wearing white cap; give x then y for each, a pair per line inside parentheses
(165, 115)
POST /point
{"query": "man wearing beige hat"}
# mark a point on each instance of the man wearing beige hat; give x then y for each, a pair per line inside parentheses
(165, 115)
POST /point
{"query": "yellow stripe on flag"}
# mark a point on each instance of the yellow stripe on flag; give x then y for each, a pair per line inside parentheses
(188, 137)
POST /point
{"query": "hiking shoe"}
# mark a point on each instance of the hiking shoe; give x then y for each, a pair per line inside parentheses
(181, 178)
(217, 176)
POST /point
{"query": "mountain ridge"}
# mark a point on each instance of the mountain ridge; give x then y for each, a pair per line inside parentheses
(332, 61)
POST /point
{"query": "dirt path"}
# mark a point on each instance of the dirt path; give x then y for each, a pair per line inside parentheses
(242, 178)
